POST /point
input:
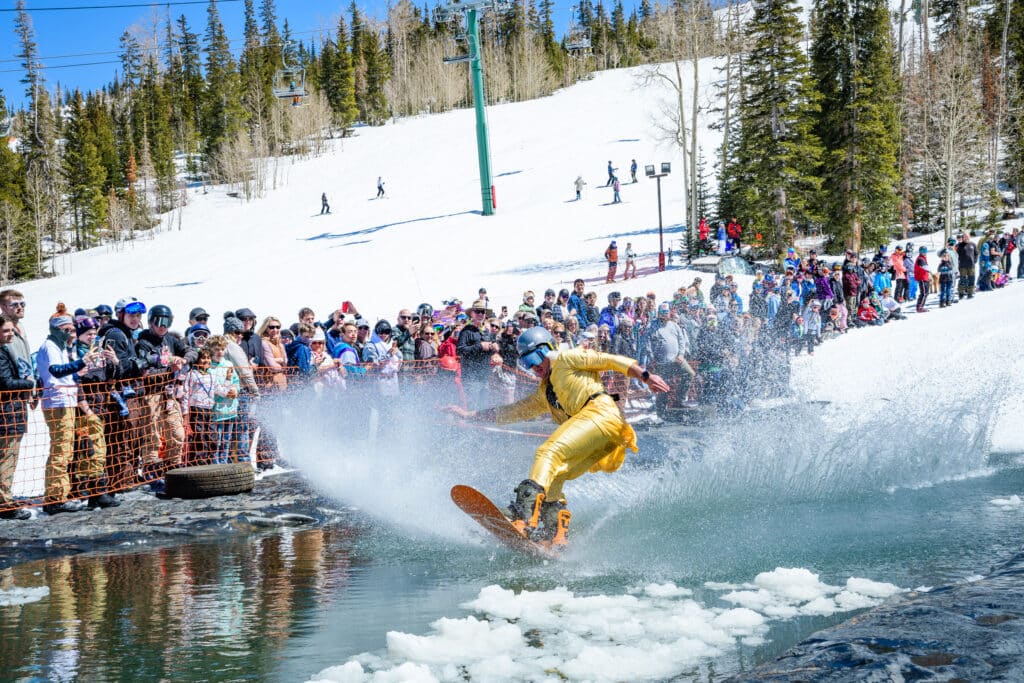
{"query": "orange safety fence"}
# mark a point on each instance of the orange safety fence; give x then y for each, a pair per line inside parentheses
(106, 437)
(76, 442)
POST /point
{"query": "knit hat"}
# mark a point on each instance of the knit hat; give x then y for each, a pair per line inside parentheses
(232, 324)
(61, 317)
(84, 324)
(664, 309)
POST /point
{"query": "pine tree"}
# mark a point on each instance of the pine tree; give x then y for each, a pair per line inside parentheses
(85, 176)
(778, 151)
(189, 89)
(102, 126)
(340, 82)
(131, 60)
(159, 138)
(378, 69)
(853, 62)
(223, 115)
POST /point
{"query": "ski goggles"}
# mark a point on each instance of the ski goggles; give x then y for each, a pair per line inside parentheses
(135, 307)
(161, 320)
(534, 358)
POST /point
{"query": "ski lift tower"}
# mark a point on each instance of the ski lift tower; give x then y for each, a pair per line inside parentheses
(471, 9)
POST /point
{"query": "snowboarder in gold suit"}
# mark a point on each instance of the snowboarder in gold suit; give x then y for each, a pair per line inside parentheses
(592, 435)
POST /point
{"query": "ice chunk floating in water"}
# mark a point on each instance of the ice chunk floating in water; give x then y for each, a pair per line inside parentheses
(22, 596)
(656, 632)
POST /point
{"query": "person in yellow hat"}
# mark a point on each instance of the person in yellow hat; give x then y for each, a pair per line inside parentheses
(592, 435)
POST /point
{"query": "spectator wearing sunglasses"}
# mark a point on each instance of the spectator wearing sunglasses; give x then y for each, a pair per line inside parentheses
(426, 343)
(16, 389)
(274, 353)
(12, 304)
(404, 336)
(475, 347)
(197, 316)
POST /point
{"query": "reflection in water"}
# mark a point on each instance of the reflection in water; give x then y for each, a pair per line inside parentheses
(191, 612)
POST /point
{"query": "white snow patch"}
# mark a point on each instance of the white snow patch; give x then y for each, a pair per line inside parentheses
(1012, 502)
(22, 596)
(657, 634)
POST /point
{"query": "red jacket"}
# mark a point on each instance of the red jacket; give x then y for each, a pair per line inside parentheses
(921, 272)
(733, 229)
(867, 313)
(702, 230)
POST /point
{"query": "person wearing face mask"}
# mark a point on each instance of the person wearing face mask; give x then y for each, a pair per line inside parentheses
(58, 362)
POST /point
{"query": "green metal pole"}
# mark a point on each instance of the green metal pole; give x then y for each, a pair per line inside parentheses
(482, 147)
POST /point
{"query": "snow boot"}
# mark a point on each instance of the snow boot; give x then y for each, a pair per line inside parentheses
(555, 518)
(524, 511)
(104, 499)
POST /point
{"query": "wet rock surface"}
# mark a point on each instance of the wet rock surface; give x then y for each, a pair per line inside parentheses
(144, 518)
(964, 632)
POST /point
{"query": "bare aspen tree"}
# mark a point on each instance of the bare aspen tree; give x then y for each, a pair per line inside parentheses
(950, 149)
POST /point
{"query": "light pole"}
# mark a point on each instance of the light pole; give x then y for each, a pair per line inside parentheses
(666, 168)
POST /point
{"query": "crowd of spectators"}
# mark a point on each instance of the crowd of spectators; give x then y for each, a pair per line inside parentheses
(124, 398)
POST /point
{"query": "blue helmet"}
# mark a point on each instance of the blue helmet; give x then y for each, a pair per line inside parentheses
(533, 345)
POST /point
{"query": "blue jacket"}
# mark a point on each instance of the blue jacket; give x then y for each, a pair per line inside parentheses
(576, 303)
(299, 356)
(609, 317)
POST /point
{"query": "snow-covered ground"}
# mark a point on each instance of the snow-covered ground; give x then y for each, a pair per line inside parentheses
(426, 241)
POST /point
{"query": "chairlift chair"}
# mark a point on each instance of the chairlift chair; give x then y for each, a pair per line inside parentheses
(456, 42)
(577, 38)
(289, 81)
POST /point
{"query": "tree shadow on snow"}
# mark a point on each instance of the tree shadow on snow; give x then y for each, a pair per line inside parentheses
(676, 229)
(378, 228)
(176, 284)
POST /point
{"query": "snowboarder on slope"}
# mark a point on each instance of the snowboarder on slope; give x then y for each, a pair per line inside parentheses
(632, 170)
(380, 187)
(324, 206)
(611, 173)
(616, 186)
(592, 435)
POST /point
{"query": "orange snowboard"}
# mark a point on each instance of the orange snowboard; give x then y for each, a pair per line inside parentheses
(487, 515)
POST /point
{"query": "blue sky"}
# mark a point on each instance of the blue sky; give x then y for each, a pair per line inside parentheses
(61, 33)
(98, 31)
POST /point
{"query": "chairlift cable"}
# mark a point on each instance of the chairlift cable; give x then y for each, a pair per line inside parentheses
(73, 8)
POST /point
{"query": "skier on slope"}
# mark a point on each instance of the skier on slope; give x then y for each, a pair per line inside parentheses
(380, 187)
(324, 206)
(611, 174)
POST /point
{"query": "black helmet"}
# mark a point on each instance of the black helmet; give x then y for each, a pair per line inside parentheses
(105, 310)
(425, 311)
(161, 311)
(382, 327)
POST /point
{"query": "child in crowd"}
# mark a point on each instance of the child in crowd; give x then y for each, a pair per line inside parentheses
(201, 390)
(867, 314)
(890, 307)
(225, 398)
(945, 270)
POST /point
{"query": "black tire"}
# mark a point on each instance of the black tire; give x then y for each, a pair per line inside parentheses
(206, 481)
